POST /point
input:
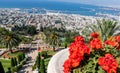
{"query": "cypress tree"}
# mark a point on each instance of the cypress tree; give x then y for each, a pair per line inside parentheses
(12, 62)
(15, 60)
(9, 70)
(38, 60)
(23, 56)
(1, 68)
(65, 45)
(42, 66)
(19, 59)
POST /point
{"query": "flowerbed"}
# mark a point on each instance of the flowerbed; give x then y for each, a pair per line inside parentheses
(95, 56)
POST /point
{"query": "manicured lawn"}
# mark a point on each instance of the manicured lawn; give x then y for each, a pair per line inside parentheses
(2, 47)
(5, 63)
(50, 52)
(15, 54)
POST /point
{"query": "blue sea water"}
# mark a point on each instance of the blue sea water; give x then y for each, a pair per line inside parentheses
(63, 7)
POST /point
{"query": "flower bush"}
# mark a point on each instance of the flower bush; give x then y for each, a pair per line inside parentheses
(95, 56)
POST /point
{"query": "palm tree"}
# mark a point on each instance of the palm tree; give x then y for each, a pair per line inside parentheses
(53, 40)
(105, 28)
(10, 39)
(25, 40)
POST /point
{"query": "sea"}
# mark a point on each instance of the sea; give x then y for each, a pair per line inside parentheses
(61, 7)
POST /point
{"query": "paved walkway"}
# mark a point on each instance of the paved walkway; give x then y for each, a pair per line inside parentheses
(27, 68)
(56, 63)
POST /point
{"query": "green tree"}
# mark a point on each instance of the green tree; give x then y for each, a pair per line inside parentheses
(19, 58)
(1, 68)
(10, 39)
(23, 55)
(105, 28)
(31, 30)
(15, 60)
(25, 30)
(53, 40)
(65, 45)
(25, 40)
(42, 66)
(38, 60)
(9, 70)
(12, 62)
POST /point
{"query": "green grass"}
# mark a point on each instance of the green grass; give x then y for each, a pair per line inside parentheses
(46, 60)
(15, 54)
(2, 47)
(50, 52)
(6, 63)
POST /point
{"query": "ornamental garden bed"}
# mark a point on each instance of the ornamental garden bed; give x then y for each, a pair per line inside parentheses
(14, 62)
(93, 56)
(15, 54)
(42, 60)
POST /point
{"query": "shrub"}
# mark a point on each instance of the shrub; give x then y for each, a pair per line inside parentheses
(97, 56)
(65, 45)
(20, 58)
(15, 61)
(38, 61)
(12, 62)
(19, 66)
(9, 70)
(44, 54)
(33, 67)
(42, 66)
(24, 61)
(16, 68)
(1, 68)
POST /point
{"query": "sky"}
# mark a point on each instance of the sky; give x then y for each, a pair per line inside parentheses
(111, 3)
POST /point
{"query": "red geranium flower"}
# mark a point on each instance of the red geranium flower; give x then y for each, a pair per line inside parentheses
(77, 50)
(94, 34)
(117, 38)
(111, 43)
(108, 63)
(67, 66)
(79, 38)
(75, 62)
(96, 44)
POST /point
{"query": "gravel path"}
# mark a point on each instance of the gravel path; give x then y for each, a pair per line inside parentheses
(56, 63)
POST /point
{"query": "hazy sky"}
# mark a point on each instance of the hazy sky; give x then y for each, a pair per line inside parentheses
(112, 3)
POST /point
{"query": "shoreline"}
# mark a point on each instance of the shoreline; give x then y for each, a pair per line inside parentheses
(55, 12)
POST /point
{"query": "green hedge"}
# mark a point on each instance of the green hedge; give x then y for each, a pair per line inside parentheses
(18, 67)
(33, 67)
(24, 61)
(44, 54)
